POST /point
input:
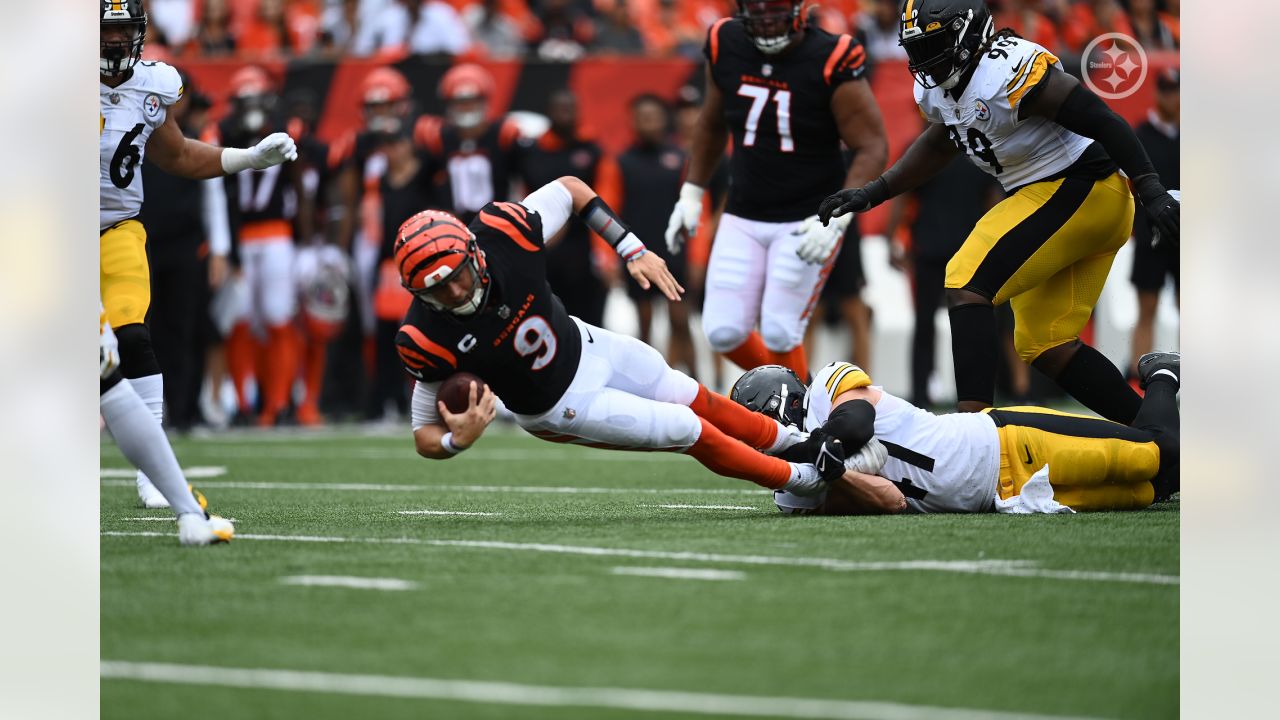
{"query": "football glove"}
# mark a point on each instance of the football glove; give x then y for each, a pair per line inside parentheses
(108, 348)
(684, 217)
(1163, 208)
(818, 240)
(274, 149)
(870, 459)
(830, 460)
(854, 200)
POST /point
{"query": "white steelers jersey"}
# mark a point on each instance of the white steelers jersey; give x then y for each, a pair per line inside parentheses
(127, 116)
(983, 122)
(941, 463)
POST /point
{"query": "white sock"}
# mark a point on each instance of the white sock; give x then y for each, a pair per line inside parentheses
(150, 388)
(787, 436)
(145, 445)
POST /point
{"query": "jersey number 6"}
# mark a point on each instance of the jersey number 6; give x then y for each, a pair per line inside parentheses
(125, 162)
(535, 337)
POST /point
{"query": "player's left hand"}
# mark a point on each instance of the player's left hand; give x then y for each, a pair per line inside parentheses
(469, 425)
(274, 149)
(108, 348)
(649, 269)
(1163, 208)
(818, 241)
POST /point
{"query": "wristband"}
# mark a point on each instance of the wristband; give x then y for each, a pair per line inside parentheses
(446, 442)
(600, 217)
(235, 160)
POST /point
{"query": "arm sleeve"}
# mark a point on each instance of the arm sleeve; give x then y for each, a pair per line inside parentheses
(853, 423)
(422, 409)
(216, 226)
(554, 205)
(1083, 113)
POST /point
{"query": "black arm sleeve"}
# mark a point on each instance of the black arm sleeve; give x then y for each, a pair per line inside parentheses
(1084, 113)
(853, 423)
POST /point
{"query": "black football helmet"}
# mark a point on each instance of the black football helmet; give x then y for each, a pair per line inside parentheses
(942, 38)
(774, 390)
(126, 22)
(771, 23)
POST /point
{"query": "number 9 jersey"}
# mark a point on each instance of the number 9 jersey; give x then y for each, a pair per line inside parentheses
(983, 121)
(127, 116)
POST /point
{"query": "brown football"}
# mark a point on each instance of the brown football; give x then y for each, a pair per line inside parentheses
(455, 391)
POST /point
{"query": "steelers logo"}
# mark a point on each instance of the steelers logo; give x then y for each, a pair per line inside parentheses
(151, 105)
(1114, 66)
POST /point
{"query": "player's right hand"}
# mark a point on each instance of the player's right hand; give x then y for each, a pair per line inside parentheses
(274, 149)
(468, 426)
(684, 217)
(108, 348)
(854, 200)
(1162, 207)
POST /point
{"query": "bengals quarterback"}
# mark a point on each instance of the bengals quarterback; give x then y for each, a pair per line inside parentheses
(482, 304)
(1058, 150)
(1017, 459)
(133, 122)
(789, 93)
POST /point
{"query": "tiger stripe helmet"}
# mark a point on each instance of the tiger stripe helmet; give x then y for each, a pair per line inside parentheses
(432, 249)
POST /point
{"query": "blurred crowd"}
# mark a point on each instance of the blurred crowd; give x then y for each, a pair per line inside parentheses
(566, 30)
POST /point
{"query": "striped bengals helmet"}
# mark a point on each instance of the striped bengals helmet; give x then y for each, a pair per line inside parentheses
(432, 248)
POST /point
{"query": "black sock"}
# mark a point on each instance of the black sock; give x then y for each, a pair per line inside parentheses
(1091, 378)
(975, 351)
(1159, 409)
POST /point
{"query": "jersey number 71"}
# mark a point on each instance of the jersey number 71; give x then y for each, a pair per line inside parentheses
(759, 96)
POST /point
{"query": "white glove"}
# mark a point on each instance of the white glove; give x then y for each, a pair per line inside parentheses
(820, 240)
(108, 348)
(274, 149)
(869, 460)
(684, 218)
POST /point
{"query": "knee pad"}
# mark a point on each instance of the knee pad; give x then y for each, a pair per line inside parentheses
(725, 339)
(780, 339)
(137, 358)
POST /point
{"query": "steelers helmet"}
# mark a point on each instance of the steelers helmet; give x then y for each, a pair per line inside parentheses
(773, 390)
(117, 56)
(942, 38)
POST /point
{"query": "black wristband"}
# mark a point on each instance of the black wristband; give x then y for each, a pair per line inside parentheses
(1149, 188)
(600, 217)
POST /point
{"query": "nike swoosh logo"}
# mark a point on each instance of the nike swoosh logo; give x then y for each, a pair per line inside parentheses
(1028, 459)
(589, 338)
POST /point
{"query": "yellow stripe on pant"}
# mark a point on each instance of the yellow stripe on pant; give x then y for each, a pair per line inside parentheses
(1094, 464)
(123, 273)
(1047, 249)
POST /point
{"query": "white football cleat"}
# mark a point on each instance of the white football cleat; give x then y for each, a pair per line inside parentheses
(197, 530)
(151, 498)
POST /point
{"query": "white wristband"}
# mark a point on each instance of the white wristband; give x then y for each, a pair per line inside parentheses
(629, 247)
(689, 191)
(446, 442)
(235, 160)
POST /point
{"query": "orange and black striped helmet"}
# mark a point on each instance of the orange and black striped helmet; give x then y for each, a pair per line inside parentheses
(434, 248)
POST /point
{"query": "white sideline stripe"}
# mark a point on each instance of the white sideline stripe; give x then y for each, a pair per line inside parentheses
(196, 471)
(446, 512)
(532, 489)
(679, 573)
(151, 519)
(503, 693)
(703, 507)
(553, 453)
(1012, 568)
(348, 581)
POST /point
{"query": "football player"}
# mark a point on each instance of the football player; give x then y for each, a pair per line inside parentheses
(904, 459)
(482, 304)
(1058, 150)
(475, 155)
(133, 121)
(264, 204)
(789, 92)
(143, 442)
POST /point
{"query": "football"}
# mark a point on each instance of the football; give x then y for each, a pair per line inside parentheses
(455, 391)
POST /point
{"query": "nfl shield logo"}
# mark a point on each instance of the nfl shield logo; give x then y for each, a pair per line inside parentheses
(767, 70)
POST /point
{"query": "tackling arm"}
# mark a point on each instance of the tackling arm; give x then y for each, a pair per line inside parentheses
(862, 494)
(179, 155)
(929, 154)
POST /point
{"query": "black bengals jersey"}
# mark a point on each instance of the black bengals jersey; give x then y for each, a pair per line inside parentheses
(257, 195)
(786, 146)
(469, 174)
(522, 342)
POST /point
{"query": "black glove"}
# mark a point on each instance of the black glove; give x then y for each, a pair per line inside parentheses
(1161, 206)
(854, 200)
(830, 460)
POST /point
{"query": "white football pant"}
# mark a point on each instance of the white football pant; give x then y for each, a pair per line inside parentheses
(268, 273)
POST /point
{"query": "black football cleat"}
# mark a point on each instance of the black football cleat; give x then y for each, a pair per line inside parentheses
(1151, 363)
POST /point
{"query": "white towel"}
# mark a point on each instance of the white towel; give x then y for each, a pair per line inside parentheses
(1036, 497)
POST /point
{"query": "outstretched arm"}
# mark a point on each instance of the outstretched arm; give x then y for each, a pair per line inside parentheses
(929, 154)
(179, 155)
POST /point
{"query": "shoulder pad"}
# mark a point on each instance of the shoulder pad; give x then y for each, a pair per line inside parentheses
(846, 61)
(424, 359)
(163, 80)
(841, 377)
(712, 49)
(1031, 66)
(514, 222)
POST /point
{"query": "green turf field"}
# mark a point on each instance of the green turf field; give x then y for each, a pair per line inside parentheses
(589, 584)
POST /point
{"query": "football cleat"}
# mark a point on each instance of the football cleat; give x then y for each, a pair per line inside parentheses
(150, 496)
(1151, 363)
(204, 530)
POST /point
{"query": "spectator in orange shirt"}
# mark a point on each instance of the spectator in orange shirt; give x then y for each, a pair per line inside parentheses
(1023, 17)
(214, 36)
(1090, 19)
(1150, 28)
(264, 33)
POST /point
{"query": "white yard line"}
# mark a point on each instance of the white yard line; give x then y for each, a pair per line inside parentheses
(447, 512)
(552, 453)
(503, 693)
(170, 518)
(430, 487)
(197, 471)
(347, 581)
(679, 573)
(703, 507)
(1013, 568)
